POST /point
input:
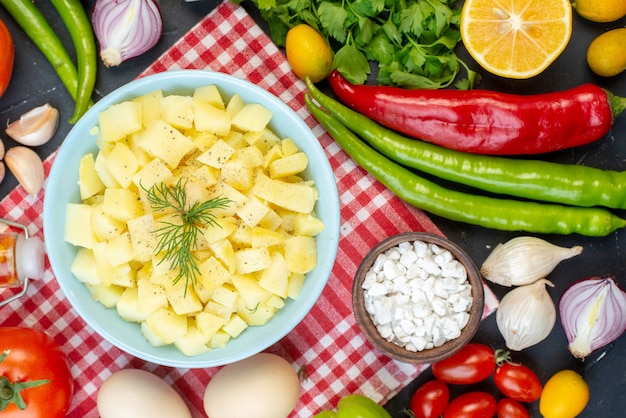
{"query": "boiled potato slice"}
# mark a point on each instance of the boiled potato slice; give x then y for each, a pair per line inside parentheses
(78, 225)
(193, 343)
(177, 111)
(252, 117)
(167, 325)
(209, 118)
(162, 140)
(108, 296)
(150, 106)
(297, 197)
(89, 182)
(122, 164)
(301, 254)
(209, 94)
(84, 267)
(120, 120)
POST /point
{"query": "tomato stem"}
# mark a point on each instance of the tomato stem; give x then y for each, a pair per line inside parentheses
(502, 356)
(10, 392)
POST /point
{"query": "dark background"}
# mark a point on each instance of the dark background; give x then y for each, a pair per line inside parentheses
(34, 83)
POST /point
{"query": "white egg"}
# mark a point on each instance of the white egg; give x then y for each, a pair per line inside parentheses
(262, 386)
(134, 393)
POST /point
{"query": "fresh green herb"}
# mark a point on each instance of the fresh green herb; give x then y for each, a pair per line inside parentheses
(178, 238)
(410, 43)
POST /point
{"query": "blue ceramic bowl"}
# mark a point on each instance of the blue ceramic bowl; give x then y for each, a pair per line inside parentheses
(62, 189)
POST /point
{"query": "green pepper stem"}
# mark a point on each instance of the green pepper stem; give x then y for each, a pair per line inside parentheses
(616, 103)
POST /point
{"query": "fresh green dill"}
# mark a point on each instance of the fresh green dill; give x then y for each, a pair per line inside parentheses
(405, 43)
(178, 237)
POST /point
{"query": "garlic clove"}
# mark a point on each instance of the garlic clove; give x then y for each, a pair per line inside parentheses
(524, 260)
(526, 315)
(35, 127)
(27, 167)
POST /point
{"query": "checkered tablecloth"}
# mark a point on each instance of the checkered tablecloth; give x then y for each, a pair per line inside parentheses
(337, 358)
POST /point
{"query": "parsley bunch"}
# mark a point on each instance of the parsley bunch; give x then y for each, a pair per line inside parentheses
(406, 43)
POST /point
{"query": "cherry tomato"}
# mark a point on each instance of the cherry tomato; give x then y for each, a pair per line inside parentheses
(7, 55)
(517, 382)
(471, 364)
(509, 408)
(32, 357)
(471, 405)
(430, 399)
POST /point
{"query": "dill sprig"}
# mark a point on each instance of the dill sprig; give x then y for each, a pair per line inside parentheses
(179, 240)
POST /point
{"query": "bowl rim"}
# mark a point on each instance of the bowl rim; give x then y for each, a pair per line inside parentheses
(396, 351)
(173, 82)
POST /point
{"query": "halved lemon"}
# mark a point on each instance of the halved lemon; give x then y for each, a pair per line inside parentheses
(516, 38)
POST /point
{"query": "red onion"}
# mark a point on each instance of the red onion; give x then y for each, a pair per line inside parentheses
(126, 28)
(593, 314)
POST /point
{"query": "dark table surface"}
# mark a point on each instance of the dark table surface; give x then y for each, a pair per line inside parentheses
(35, 83)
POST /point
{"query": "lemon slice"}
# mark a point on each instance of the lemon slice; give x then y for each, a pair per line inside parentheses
(516, 38)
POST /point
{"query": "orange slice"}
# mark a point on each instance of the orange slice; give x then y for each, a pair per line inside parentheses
(516, 38)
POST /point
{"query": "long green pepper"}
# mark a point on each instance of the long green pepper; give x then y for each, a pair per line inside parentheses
(566, 184)
(34, 24)
(488, 212)
(79, 27)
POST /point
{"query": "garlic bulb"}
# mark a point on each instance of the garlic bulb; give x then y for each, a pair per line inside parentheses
(593, 314)
(526, 315)
(35, 127)
(126, 28)
(524, 260)
(27, 167)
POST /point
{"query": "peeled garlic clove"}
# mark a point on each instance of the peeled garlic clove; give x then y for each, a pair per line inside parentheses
(27, 167)
(526, 315)
(35, 127)
(524, 260)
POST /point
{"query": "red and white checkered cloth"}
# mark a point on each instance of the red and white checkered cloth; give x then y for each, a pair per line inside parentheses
(328, 343)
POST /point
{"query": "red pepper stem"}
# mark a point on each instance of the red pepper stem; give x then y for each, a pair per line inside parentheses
(617, 104)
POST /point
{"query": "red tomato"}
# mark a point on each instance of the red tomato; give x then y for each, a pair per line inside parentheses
(518, 382)
(509, 408)
(473, 363)
(471, 405)
(31, 356)
(7, 54)
(430, 399)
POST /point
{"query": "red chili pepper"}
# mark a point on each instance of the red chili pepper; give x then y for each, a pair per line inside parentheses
(487, 122)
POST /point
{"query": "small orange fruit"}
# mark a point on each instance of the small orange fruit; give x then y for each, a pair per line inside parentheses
(308, 53)
(606, 54)
(564, 395)
(600, 10)
(516, 38)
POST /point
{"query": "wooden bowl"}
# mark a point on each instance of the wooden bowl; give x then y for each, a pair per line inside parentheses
(394, 350)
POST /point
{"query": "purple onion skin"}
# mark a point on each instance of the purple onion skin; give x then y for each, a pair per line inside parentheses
(612, 320)
(142, 37)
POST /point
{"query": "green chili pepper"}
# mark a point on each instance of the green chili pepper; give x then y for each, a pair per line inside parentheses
(566, 184)
(34, 24)
(79, 26)
(489, 212)
(356, 405)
